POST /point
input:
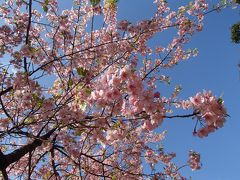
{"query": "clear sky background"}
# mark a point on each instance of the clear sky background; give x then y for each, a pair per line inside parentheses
(215, 68)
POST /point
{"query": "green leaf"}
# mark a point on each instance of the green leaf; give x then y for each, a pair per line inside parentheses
(111, 4)
(70, 82)
(79, 132)
(235, 33)
(45, 8)
(38, 100)
(195, 51)
(112, 1)
(116, 125)
(220, 101)
(83, 106)
(94, 2)
(29, 120)
(113, 177)
(81, 71)
(33, 49)
(88, 91)
(47, 175)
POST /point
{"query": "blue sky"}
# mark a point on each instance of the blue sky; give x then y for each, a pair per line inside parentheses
(215, 68)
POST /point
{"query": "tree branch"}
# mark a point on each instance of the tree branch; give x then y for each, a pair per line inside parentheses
(6, 90)
(6, 160)
(28, 30)
(182, 116)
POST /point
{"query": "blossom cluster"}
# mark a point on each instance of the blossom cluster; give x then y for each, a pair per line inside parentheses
(209, 109)
(194, 160)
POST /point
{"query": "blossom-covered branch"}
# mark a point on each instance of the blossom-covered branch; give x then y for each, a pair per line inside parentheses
(83, 103)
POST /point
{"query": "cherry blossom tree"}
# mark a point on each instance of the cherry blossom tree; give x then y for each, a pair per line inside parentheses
(235, 29)
(80, 100)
